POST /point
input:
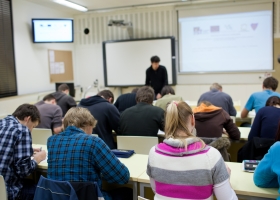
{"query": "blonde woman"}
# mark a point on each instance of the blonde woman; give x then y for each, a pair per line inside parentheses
(183, 167)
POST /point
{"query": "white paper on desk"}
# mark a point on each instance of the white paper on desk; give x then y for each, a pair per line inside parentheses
(160, 132)
(51, 56)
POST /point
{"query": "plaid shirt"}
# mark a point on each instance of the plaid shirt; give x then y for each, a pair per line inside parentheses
(15, 154)
(75, 156)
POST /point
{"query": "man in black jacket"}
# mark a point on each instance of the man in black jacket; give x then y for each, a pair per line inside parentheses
(107, 115)
(156, 76)
(144, 119)
(63, 99)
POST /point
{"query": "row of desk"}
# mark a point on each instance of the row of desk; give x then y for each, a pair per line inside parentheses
(242, 182)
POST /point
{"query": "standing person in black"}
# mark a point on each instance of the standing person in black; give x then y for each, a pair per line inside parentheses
(63, 99)
(156, 76)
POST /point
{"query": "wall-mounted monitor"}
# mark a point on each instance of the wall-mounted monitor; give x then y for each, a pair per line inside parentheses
(53, 30)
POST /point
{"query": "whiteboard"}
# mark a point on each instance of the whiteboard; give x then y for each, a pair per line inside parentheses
(126, 61)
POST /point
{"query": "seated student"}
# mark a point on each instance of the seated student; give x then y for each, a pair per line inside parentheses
(63, 99)
(266, 120)
(218, 98)
(257, 100)
(126, 100)
(144, 119)
(74, 155)
(210, 121)
(167, 95)
(183, 167)
(267, 173)
(50, 114)
(107, 115)
(16, 151)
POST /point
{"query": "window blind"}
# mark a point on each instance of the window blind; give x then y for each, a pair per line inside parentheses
(8, 84)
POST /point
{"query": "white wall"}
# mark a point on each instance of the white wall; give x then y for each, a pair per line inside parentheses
(31, 59)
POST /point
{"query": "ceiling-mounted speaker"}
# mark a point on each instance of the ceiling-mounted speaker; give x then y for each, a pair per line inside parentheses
(86, 31)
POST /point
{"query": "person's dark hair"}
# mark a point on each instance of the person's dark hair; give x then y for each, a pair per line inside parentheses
(277, 138)
(270, 82)
(145, 94)
(207, 103)
(155, 59)
(273, 101)
(216, 86)
(26, 110)
(63, 87)
(107, 94)
(166, 90)
(135, 90)
(48, 97)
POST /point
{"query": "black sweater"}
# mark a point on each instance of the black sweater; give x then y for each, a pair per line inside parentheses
(64, 101)
(107, 116)
(125, 101)
(142, 120)
(156, 79)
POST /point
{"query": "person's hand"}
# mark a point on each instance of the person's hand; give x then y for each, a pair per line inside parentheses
(35, 150)
(39, 156)
(158, 96)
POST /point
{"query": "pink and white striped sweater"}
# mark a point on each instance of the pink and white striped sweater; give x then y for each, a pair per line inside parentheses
(190, 172)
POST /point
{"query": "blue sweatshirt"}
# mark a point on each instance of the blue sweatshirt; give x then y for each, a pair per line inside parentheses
(266, 123)
(267, 174)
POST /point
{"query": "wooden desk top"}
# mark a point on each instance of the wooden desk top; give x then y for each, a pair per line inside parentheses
(136, 164)
(241, 182)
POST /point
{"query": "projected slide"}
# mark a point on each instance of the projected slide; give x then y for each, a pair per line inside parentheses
(229, 42)
(53, 31)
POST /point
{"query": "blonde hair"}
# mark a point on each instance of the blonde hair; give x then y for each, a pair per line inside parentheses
(79, 117)
(177, 116)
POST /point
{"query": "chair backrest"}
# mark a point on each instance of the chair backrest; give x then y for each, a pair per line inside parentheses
(142, 198)
(140, 144)
(3, 191)
(40, 135)
(52, 190)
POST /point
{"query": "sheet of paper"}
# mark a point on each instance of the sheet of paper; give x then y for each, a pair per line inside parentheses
(57, 68)
(51, 56)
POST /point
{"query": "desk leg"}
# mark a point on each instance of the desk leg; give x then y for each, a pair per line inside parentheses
(251, 197)
(135, 189)
(142, 188)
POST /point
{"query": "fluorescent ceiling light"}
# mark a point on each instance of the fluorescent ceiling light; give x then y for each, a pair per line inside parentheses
(71, 5)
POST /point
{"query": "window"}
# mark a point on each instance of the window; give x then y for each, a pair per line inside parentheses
(8, 84)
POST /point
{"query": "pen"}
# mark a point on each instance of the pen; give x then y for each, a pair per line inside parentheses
(40, 148)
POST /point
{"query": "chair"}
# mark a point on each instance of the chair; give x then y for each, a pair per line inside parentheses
(40, 135)
(140, 144)
(3, 191)
(142, 198)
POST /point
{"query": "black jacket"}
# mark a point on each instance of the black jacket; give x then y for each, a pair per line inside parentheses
(125, 101)
(156, 79)
(142, 120)
(107, 116)
(64, 101)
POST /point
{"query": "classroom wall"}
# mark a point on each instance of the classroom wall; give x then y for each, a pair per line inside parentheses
(32, 59)
(153, 22)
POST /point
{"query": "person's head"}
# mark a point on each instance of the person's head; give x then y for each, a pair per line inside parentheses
(179, 121)
(80, 118)
(64, 88)
(273, 101)
(155, 62)
(270, 83)
(145, 94)
(216, 86)
(167, 90)
(49, 99)
(135, 90)
(107, 94)
(206, 103)
(28, 115)
(277, 138)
